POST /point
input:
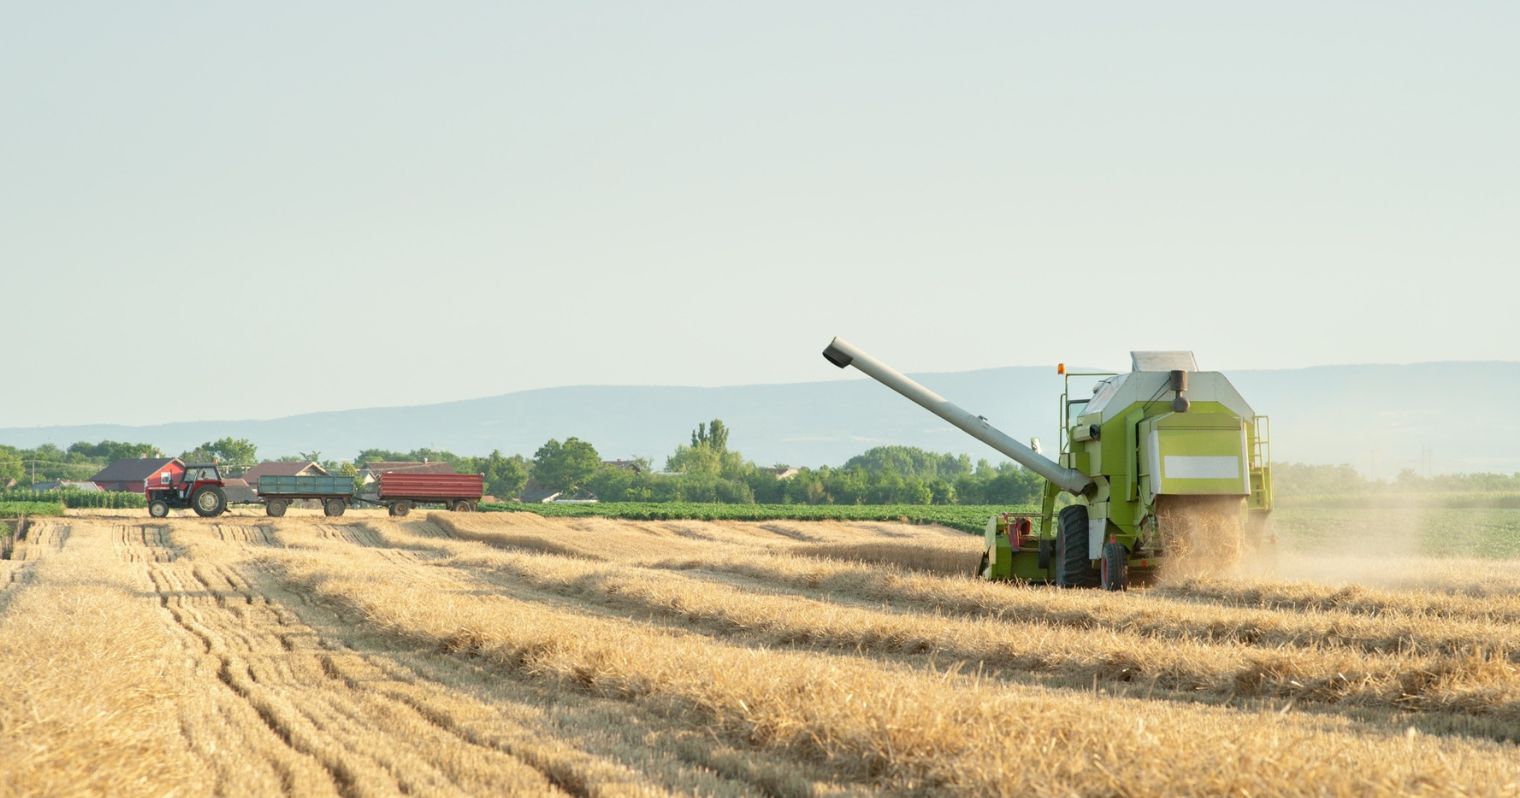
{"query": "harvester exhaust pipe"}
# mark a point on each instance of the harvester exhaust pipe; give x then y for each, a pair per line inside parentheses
(842, 353)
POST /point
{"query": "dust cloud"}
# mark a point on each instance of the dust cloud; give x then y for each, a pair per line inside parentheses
(1203, 536)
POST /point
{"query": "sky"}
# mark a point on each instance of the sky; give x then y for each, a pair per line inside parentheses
(220, 211)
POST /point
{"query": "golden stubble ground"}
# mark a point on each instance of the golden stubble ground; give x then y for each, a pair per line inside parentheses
(493, 654)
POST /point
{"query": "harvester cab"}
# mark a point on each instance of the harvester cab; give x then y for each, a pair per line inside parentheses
(1163, 465)
(200, 489)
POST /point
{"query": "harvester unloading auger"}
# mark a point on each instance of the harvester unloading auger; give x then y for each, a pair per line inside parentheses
(1168, 467)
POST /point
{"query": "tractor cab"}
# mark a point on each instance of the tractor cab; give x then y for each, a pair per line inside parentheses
(200, 489)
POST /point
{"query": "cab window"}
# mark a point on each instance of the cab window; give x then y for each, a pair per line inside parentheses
(1074, 409)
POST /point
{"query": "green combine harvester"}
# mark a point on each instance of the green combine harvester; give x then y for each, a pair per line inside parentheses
(1166, 466)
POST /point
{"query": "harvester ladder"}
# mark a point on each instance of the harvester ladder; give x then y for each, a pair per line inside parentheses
(1261, 464)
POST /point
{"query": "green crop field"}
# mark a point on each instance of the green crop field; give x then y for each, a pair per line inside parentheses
(1473, 530)
(969, 518)
(1483, 532)
(16, 509)
(79, 499)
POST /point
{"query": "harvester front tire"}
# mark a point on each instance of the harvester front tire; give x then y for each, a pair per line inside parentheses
(209, 502)
(275, 508)
(158, 508)
(1115, 567)
(1074, 569)
(333, 508)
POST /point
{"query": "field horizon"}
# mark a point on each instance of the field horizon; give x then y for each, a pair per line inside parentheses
(1323, 415)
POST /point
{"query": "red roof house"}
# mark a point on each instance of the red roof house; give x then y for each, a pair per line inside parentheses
(137, 475)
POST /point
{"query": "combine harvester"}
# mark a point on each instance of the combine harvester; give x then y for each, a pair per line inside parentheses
(1167, 465)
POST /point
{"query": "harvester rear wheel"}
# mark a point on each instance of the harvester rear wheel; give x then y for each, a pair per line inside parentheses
(1115, 566)
(1074, 569)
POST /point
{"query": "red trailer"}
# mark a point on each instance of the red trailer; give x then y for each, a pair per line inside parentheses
(400, 491)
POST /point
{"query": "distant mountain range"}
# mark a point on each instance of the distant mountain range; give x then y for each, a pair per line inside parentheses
(1441, 417)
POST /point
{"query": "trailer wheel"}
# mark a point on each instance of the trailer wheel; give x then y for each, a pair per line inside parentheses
(401, 508)
(209, 502)
(333, 507)
(1115, 566)
(275, 507)
(1074, 569)
(158, 508)
(462, 506)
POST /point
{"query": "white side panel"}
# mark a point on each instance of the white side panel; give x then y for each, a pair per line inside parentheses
(1095, 529)
(1178, 466)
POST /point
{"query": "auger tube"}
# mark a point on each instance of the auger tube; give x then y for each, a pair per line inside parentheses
(842, 353)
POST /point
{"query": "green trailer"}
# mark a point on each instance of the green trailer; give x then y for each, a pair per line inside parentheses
(335, 493)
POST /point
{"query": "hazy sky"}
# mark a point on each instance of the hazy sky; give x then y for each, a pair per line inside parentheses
(216, 210)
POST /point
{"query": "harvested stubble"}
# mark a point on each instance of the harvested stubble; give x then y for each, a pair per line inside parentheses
(476, 654)
(1391, 663)
(900, 727)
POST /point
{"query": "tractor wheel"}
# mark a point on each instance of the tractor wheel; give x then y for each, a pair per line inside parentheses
(401, 508)
(333, 508)
(275, 507)
(1115, 566)
(209, 502)
(981, 569)
(158, 508)
(1074, 569)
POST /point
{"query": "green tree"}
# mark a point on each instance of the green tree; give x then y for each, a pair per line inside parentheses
(379, 455)
(229, 451)
(504, 476)
(696, 460)
(713, 435)
(566, 466)
(109, 451)
(10, 465)
(708, 454)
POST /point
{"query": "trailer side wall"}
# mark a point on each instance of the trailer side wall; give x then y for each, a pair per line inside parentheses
(398, 485)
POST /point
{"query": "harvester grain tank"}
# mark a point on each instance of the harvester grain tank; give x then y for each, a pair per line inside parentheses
(1162, 458)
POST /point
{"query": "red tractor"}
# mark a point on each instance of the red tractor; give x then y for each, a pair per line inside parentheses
(199, 489)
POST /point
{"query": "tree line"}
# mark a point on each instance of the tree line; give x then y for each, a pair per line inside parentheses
(705, 469)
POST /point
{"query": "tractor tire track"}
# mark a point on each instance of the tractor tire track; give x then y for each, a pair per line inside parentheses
(588, 766)
(364, 742)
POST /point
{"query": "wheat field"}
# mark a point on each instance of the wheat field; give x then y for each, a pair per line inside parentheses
(493, 654)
